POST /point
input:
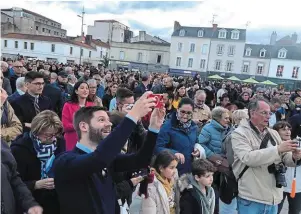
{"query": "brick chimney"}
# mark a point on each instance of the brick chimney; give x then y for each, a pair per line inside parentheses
(142, 36)
(214, 26)
(176, 26)
(88, 39)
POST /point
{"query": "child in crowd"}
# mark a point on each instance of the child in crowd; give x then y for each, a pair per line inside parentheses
(196, 194)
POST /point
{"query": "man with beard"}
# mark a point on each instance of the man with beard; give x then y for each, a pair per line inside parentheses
(82, 180)
(201, 112)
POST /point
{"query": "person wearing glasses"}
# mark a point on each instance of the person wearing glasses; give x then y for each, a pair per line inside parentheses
(179, 135)
(92, 93)
(32, 102)
(17, 72)
(34, 152)
(100, 88)
(201, 112)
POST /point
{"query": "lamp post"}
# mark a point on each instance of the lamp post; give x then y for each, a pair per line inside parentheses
(81, 33)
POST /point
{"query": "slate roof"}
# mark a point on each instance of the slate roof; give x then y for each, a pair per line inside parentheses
(45, 38)
(210, 32)
(151, 43)
(293, 52)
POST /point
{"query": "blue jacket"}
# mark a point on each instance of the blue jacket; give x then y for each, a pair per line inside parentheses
(100, 91)
(177, 141)
(13, 97)
(211, 138)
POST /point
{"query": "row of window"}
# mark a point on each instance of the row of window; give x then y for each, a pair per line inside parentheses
(140, 57)
(222, 34)
(262, 53)
(52, 48)
(295, 71)
(45, 30)
(52, 24)
(192, 48)
(190, 63)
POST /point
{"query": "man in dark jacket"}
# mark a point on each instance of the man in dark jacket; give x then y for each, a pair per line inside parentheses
(17, 72)
(14, 193)
(82, 180)
(53, 93)
(62, 84)
(143, 86)
(167, 87)
(295, 122)
(33, 102)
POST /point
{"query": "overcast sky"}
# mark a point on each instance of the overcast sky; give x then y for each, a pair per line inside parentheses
(157, 17)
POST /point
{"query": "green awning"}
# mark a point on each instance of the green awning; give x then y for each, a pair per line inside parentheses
(268, 82)
(233, 78)
(250, 80)
(215, 77)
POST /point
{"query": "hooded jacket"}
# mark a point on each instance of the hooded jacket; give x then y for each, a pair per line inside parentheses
(192, 200)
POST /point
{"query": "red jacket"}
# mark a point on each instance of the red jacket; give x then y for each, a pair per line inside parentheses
(67, 118)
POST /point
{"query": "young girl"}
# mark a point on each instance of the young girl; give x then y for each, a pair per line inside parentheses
(197, 195)
(161, 194)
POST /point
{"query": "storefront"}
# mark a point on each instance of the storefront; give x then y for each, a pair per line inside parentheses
(180, 72)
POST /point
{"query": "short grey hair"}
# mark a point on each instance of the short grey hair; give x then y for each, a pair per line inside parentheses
(238, 115)
(53, 75)
(4, 64)
(20, 82)
(254, 104)
(218, 112)
(92, 81)
(200, 92)
(68, 68)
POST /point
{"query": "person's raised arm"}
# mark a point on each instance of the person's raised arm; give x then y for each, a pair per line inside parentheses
(68, 166)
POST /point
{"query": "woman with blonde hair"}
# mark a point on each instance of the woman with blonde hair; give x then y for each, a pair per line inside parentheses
(35, 152)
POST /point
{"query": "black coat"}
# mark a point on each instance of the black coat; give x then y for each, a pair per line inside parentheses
(29, 167)
(13, 80)
(54, 94)
(106, 100)
(295, 122)
(14, 193)
(79, 179)
(24, 108)
(189, 203)
(140, 90)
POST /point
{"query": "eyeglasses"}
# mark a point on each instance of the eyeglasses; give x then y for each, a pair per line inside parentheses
(97, 79)
(189, 113)
(38, 83)
(92, 87)
(48, 136)
(265, 113)
(18, 66)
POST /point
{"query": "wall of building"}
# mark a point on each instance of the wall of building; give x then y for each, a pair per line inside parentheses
(100, 30)
(42, 50)
(131, 50)
(237, 57)
(185, 54)
(253, 63)
(287, 69)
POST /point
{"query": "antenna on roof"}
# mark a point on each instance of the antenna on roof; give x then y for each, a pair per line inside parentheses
(213, 19)
(247, 24)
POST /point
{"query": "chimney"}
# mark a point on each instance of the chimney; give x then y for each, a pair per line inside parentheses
(142, 36)
(214, 26)
(88, 39)
(176, 26)
(273, 38)
(294, 38)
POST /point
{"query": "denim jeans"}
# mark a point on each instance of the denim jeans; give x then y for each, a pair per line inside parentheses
(252, 207)
(228, 208)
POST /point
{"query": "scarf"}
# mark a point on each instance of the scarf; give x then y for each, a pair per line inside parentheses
(205, 199)
(184, 126)
(168, 186)
(45, 153)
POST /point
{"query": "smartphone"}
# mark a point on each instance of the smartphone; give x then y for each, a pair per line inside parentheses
(159, 100)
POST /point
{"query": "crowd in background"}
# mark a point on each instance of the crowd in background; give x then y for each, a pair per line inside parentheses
(39, 101)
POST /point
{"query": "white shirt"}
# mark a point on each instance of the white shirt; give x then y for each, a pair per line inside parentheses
(272, 120)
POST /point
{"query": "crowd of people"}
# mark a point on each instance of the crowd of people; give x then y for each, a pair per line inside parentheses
(84, 139)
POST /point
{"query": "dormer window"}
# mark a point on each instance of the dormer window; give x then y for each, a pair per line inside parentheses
(282, 53)
(262, 53)
(248, 52)
(200, 33)
(222, 34)
(235, 34)
(182, 32)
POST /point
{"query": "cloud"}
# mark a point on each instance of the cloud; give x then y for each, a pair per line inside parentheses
(156, 18)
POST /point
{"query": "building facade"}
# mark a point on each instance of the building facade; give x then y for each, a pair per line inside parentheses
(206, 50)
(142, 56)
(19, 20)
(110, 31)
(53, 49)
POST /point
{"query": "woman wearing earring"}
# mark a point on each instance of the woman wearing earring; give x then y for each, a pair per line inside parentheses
(78, 100)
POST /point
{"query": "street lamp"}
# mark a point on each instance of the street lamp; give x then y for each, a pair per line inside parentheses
(82, 33)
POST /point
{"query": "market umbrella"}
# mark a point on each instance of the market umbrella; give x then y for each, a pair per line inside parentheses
(215, 77)
(268, 82)
(250, 80)
(234, 78)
